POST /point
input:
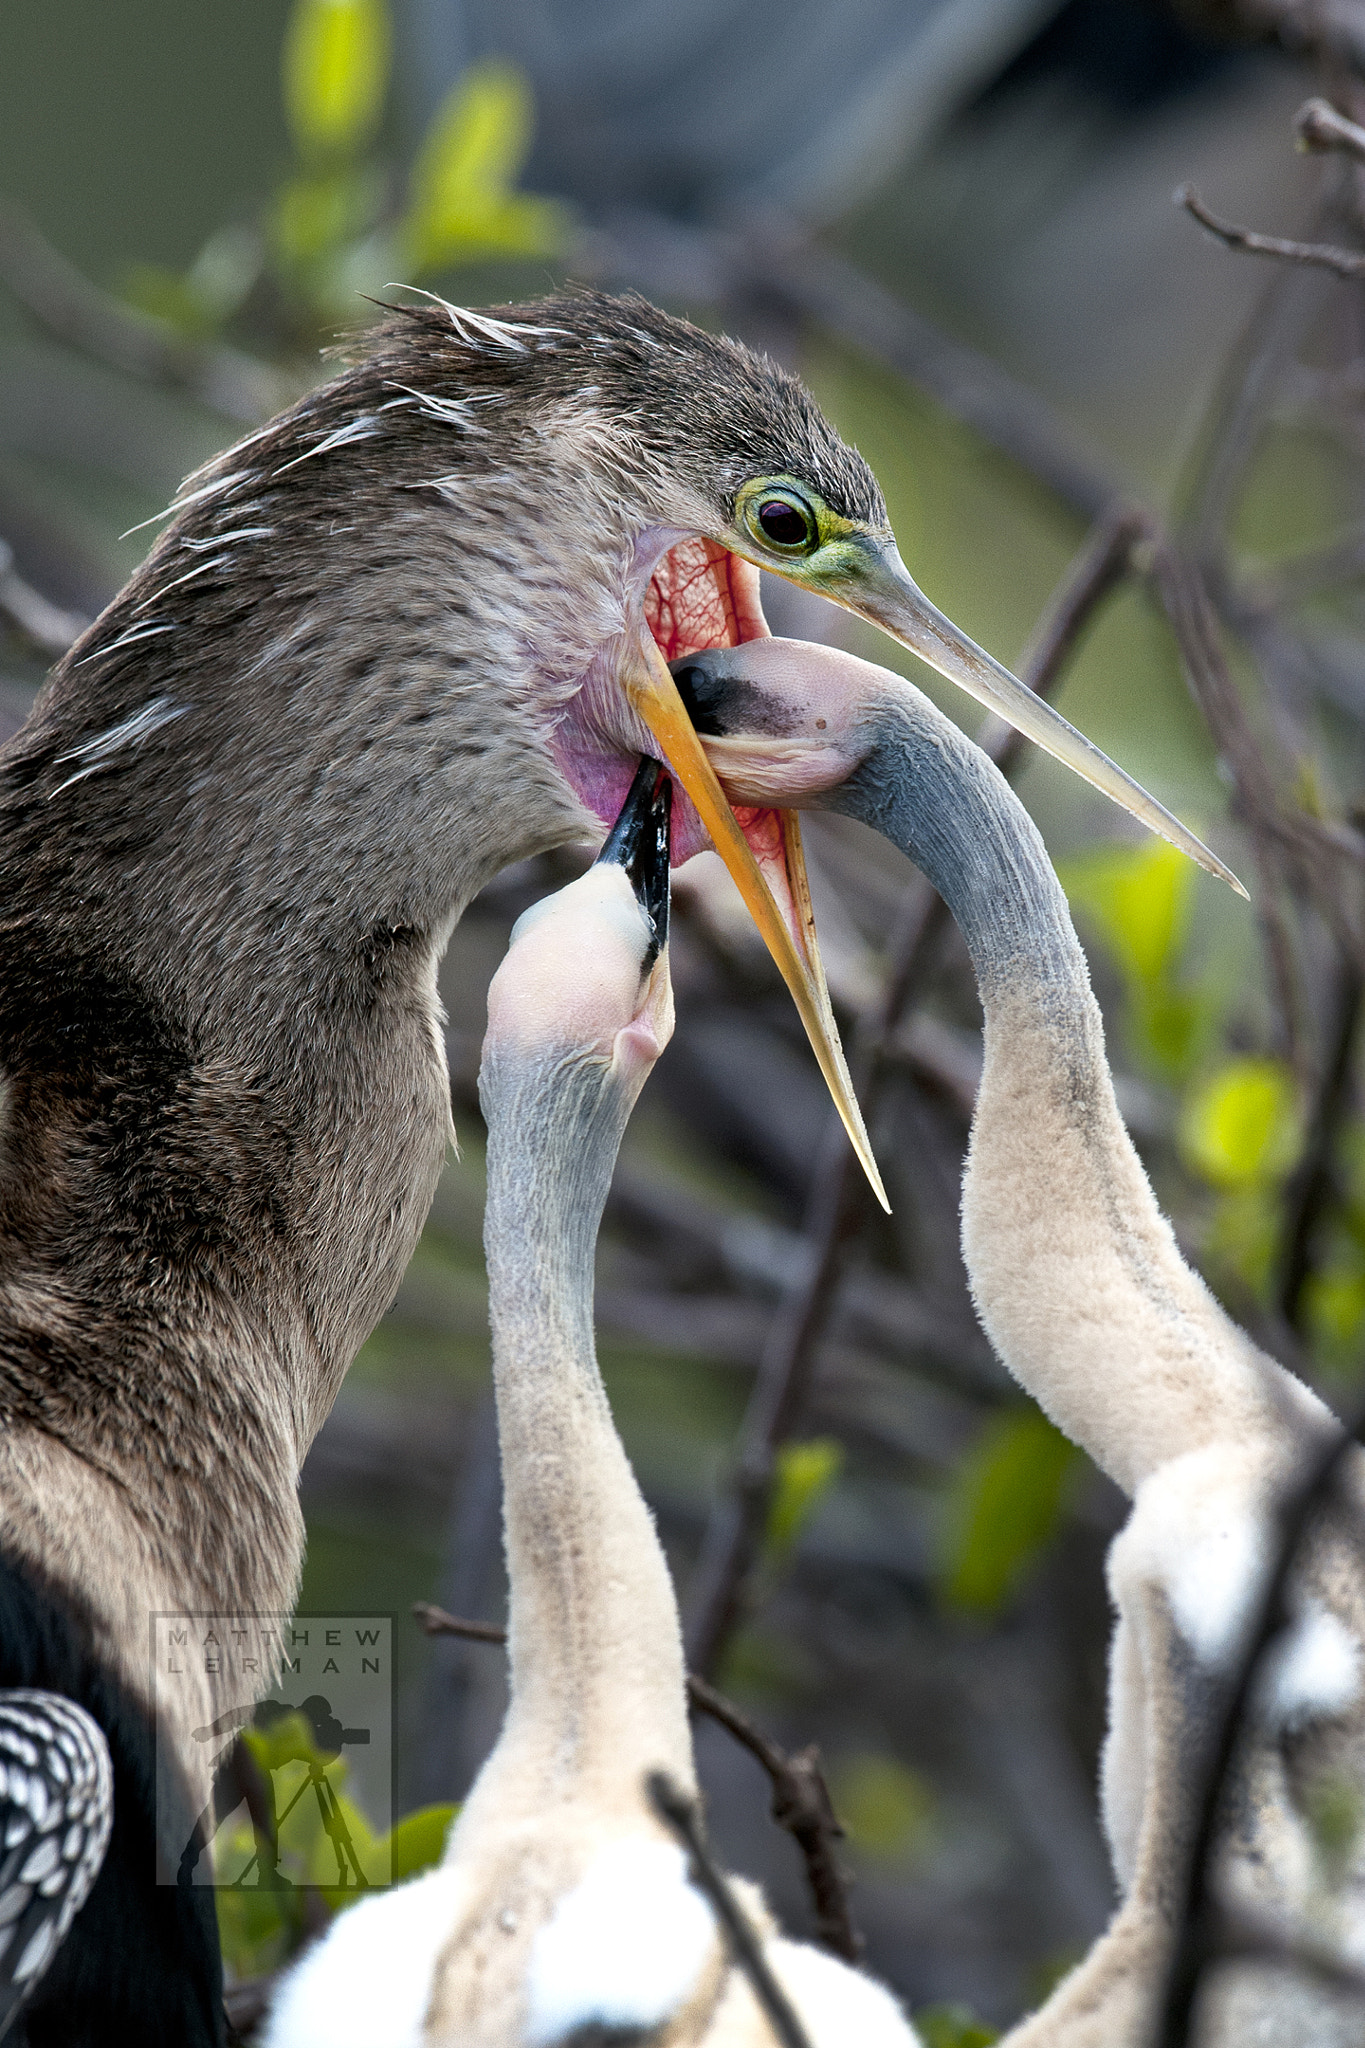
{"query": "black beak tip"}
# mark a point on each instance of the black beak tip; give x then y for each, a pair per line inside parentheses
(641, 842)
(702, 693)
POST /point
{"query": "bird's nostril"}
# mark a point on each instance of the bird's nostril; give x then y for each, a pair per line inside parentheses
(702, 695)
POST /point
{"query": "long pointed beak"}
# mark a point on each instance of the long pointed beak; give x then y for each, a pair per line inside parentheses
(884, 592)
(772, 881)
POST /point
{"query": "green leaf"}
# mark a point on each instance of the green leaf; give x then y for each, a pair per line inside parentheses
(1242, 1128)
(336, 73)
(1334, 1310)
(1004, 1503)
(884, 1807)
(313, 217)
(952, 2026)
(1335, 1815)
(1140, 899)
(461, 200)
(805, 1473)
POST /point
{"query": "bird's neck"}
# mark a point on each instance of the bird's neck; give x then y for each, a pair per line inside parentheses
(221, 1052)
(596, 1652)
(1075, 1272)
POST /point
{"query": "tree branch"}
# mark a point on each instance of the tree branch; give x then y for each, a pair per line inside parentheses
(1193, 1909)
(1318, 255)
(801, 1801)
(50, 629)
(680, 1815)
(1319, 127)
(77, 312)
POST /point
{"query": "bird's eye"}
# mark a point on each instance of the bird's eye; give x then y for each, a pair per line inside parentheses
(784, 524)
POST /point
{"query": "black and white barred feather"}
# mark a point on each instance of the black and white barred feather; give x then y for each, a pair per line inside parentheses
(56, 1812)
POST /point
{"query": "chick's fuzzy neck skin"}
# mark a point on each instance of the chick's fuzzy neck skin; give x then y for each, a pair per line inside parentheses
(1075, 1272)
(563, 1911)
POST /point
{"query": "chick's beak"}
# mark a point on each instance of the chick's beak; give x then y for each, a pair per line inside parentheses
(770, 874)
(881, 589)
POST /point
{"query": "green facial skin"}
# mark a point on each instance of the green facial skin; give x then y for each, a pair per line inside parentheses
(859, 567)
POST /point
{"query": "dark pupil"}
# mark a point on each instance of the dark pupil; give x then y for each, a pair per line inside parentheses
(783, 523)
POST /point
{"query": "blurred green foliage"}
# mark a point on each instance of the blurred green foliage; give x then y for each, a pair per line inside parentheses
(952, 2026)
(1335, 1815)
(886, 1809)
(805, 1472)
(1002, 1509)
(336, 73)
(1241, 1132)
(1139, 900)
(1334, 1297)
(461, 200)
(261, 1915)
(1239, 1122)
(339, 225)
(1240, 1128)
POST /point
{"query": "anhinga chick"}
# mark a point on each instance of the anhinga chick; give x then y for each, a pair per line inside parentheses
(563, 1913)
(1080, 1285)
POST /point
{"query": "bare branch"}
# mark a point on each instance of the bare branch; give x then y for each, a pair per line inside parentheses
(1318, 126)
(76, 311)
(1310, 1189)
(679, 1813)
(1319, 255)
(1193, 1910)
(1187, 607)
(50, 629)
(434, 1621)
(801, 1805)
(801, 1801)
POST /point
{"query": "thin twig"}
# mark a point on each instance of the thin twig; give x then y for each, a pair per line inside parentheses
(436, 1622)
(679, 1814)
(1317, 255)
(801, 1805)
(76, 311)
(51, 629)
(1318, 126)
(801, 1801)
(1193, 1911)
(1310, 1189)
(1186, 603)
(734, 1534)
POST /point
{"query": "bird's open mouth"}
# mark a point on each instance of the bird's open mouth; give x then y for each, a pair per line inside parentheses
(702, 596)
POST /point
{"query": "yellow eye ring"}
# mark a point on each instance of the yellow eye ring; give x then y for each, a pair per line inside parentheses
(781, 520)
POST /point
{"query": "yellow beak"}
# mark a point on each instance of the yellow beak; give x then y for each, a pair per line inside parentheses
(772, 882)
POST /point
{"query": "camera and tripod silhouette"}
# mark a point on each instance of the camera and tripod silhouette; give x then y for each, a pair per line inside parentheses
(240, 1778)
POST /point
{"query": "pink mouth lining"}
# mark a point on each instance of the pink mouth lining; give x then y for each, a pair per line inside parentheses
(703, 596)
(699, 596)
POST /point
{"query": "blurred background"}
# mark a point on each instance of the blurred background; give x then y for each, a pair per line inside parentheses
(954, 218)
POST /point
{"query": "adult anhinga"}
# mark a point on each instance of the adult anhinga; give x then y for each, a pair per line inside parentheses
(563, 1911)
(1080, 1285)
(410, 631)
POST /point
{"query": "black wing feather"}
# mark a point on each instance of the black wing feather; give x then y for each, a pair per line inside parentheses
(56, 1811)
